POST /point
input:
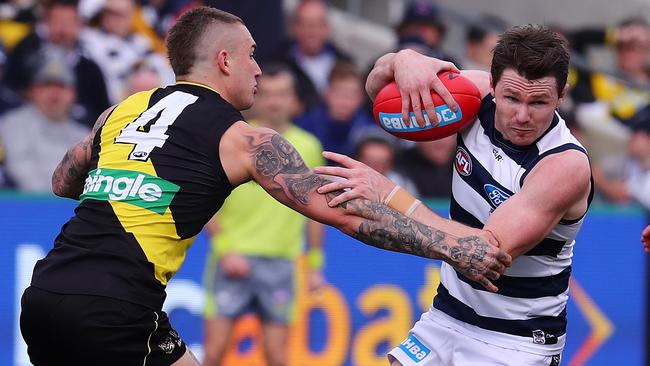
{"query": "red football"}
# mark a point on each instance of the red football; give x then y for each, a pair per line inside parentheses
(387, 110)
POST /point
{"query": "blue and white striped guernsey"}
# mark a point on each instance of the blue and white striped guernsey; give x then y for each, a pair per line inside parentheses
(529, 311)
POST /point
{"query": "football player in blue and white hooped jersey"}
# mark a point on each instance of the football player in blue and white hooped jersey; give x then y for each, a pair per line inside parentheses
(519, 176)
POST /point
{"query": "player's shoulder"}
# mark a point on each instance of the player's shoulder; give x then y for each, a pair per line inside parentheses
(480, 78)
(568, 165)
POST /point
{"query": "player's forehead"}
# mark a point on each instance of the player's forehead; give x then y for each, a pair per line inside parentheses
(243, 36)
(512, 81)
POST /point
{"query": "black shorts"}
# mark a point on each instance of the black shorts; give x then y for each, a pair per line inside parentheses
(64, 329)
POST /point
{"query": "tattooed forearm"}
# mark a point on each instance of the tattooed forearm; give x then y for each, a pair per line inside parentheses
(69, 175)
(387, 229)
(277, 160)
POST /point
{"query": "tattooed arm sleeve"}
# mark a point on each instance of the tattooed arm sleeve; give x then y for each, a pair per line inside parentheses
(279, 169)
(68, 177)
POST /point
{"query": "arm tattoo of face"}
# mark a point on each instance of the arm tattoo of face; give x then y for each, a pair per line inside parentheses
(277, 160)
(278, 156)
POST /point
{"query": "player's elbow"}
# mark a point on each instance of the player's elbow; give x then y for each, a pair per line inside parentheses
(57, 187)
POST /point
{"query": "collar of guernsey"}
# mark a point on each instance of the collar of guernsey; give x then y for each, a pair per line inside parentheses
(197, 84)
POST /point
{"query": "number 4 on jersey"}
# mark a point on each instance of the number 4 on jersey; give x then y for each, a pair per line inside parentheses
(149, 130)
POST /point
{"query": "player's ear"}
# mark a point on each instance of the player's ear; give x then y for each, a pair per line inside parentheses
(491, 86)
(563, 94)
(224, 61)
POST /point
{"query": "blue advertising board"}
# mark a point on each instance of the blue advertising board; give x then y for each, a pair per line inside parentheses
(373, 296)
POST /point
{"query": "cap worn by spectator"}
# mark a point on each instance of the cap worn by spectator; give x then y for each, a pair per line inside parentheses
(422, 12)
(54, 70)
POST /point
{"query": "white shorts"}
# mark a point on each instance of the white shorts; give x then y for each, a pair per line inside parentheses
(432, 344)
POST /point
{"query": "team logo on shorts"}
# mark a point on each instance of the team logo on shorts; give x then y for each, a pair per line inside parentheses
(171, 341)
(414, 348)
(463, 162)
(538, 337)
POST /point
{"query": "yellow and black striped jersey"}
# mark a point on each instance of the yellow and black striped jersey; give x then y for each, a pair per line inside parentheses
(155, 179)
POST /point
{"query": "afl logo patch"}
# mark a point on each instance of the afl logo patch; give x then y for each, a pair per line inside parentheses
(463, 162)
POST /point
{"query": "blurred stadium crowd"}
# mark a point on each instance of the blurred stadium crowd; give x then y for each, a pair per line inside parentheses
(65, 61)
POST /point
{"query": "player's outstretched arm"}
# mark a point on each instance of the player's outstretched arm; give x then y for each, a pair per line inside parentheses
(517, 225)
(68, 177)
(645, 238)
(266, 157)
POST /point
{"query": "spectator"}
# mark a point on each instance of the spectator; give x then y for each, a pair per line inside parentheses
(58, 32)
(422, 29)
(625, 96)
(428, 164)
(160, 15)
(265, 20)
(256, 240)
(141, 77)
(8, 99)
(480, 39)
(339, 120)
(605, 105)
(637, 180)
(379, 154)
(116, 48)
(310, 54)
(36, 135)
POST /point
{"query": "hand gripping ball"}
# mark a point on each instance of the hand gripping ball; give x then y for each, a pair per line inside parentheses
(387, 110)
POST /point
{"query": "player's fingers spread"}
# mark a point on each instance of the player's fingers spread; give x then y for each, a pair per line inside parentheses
(334, 171)
(342, 198)
(331, 187)
(450, 66)
(440, 88)
(504, 258)
(341, 159)
(487, 284)
(429, 107)
(416, 105)
(406, 106)
(493, 275)
(499, 267)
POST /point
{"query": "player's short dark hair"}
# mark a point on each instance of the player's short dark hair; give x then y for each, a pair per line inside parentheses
(186, 33)
(534, 52)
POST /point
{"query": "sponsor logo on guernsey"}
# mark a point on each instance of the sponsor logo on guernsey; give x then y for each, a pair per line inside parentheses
(136, 188)
(463, 162)
(495, 195)
(393, 121)
(414, 348)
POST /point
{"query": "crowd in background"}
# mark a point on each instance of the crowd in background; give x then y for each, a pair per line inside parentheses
(64, 61)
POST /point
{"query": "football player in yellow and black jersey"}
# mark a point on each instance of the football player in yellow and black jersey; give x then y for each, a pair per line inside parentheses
(153, 171)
